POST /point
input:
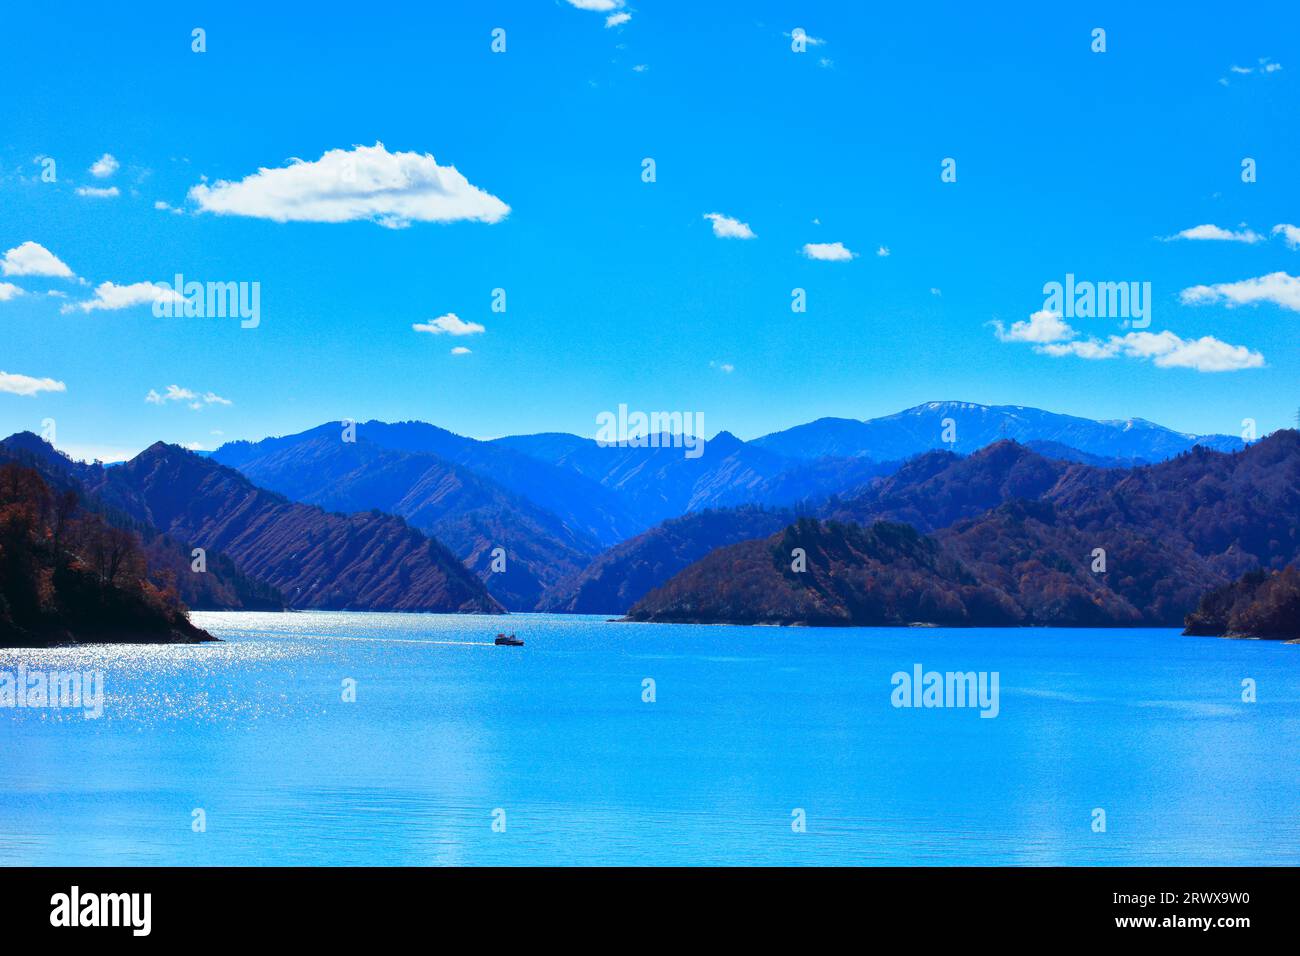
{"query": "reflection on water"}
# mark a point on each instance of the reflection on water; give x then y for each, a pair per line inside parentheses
(748, 725)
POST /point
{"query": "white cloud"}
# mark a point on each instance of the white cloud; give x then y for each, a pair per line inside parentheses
(1165, 350)
(1042, 326)
(175, 393)
(1265, 66)
(883, 252)
(640, 68)
(1289, 233)
(1276, 287)
(599, 6)
(1087, 349)
(1212, 232)
(449, 324)
(808, 38)
(828, 251)
(94, 192)
(724, 227)
(167, 207)
(364, 183)
(33, 259)
(460, 350)
(109, 296)
(617, 19)
(105, 166)
(934, 290)
(9, 291)
(1049, 335)
(26, 385)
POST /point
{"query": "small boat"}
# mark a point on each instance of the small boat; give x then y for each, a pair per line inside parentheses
(509, 640)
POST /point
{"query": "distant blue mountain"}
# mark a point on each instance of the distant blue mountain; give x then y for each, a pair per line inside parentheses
(1054, 449)
(555, 501)
(915, 430)
(586, 507)
(661, 482)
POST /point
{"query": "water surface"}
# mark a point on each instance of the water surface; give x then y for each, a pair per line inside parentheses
(748, 726)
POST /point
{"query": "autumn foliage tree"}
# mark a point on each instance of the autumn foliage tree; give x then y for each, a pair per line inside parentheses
(66, 575)
(1259, 604)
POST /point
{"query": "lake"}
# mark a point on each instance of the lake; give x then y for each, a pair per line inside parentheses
(455, 751)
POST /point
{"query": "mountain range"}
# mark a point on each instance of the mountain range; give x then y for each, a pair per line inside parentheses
(410, 516)
(552, 502)
(472, 515)
(169, 561)
(1056, 543)
(310, 557)
(621, 576)
(367, 560)
(555, 503)
(925, 427)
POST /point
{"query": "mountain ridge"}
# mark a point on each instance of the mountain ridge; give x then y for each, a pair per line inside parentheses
(1058, 543)
(921, 428)
(470, 514)
(69, 577)
(318, 559)
(222, 586)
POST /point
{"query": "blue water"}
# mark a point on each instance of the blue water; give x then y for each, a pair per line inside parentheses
(748, 725)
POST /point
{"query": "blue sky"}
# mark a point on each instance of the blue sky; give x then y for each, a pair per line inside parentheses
(618, 290)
